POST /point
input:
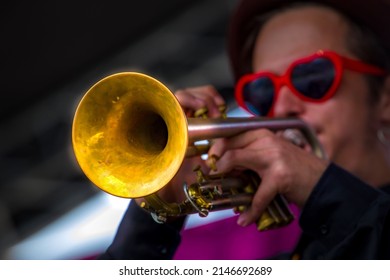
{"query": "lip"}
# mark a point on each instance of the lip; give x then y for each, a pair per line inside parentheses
(318, 132)
(314, 127)
(321, 138)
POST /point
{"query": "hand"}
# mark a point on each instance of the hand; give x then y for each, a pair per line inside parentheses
(283, 167)
(193, 99)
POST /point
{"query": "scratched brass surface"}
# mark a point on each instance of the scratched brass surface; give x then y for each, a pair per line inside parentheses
(128, 137)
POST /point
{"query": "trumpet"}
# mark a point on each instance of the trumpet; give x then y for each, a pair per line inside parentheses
(130, 137)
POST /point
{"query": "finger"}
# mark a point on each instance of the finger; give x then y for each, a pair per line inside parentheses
(242, 159)
(212, 93)
(265, 194)
(211, 98)
(241, 141)
(188, 101)
(218, 148)
(206, 97)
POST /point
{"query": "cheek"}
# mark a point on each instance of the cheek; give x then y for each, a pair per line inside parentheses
(333, 128)
(345, 123)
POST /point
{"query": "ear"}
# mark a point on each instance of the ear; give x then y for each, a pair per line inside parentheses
(384, 103)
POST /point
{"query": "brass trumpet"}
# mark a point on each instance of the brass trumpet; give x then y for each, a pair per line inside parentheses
(130, 137)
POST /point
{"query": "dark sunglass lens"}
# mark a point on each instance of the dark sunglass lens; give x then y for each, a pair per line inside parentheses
(313, 79)
(258, 96)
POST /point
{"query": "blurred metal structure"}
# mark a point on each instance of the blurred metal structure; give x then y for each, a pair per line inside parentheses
(52, 51)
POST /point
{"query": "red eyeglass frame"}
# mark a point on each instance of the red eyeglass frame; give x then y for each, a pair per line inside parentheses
(340, 63)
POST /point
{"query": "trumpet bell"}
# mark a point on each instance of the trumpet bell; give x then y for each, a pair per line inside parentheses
(129, 135)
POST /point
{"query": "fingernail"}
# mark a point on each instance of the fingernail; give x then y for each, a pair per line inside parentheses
(241, 221)
(212, 162)
(202, 112)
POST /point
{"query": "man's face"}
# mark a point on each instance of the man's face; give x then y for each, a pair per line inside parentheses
(345, 124)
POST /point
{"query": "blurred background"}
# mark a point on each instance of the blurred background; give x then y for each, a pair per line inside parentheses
(51, 53)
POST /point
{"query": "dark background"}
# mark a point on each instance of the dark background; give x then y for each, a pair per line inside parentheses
(51, 53)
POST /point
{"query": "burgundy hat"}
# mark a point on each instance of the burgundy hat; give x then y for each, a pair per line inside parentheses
(374, 14)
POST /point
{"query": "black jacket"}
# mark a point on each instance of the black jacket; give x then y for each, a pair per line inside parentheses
(344, 218)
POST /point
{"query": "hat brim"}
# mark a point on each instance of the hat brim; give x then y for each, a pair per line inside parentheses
(373, 14)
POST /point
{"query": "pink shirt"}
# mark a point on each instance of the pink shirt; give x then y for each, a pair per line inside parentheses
(225, 240)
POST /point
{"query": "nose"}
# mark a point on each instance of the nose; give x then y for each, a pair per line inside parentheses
(288, 104)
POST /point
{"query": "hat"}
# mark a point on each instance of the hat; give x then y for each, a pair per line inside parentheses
(374, 14)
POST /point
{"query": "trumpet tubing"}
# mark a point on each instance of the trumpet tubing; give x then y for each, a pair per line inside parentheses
(130, 137)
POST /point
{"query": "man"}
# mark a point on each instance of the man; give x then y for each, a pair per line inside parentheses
(318, 61)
